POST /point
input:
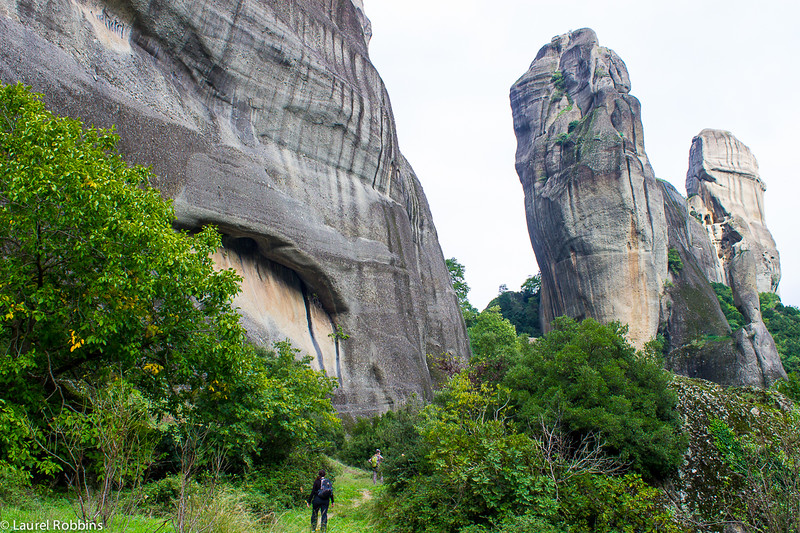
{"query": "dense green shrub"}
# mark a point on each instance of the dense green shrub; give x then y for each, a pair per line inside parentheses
(469, 467)
(674, 261)
(588, 377)
(492, 338)
(285, 484)
(610, 504)
(393, 432)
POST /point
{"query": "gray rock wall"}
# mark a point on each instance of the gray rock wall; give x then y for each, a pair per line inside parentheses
(267, 119)
(727, 194)
(595, 213)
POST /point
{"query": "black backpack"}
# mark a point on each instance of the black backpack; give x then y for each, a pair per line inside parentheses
(325, 488)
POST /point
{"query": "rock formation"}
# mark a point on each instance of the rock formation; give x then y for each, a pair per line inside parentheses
(614, 243)
(267, 119)
(726, 194)
(594, 209)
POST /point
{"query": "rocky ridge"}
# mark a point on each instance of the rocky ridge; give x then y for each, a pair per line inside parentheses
(615, 243)
(267, 119)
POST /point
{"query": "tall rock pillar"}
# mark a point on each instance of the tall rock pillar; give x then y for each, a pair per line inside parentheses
(595, 212)
(726, 194)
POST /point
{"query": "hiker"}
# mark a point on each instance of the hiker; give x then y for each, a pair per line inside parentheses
(321, 496)
(375, 463)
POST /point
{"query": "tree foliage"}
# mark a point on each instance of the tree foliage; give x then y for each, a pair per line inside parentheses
(522, 308)
(457, 278)
(589, 376)
(97, 286)
(783, 323)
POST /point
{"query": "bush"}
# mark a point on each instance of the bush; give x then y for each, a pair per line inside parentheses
(393, 432)
(285, 485)
(470, 466)
(674, 261)
(607, 504)
(590, 378)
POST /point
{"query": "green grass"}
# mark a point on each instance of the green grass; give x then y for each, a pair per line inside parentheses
(351, 513)
(38, 511)
(353, 492)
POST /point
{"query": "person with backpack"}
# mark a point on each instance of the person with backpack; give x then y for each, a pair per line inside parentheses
(321, 496)
(375, 463)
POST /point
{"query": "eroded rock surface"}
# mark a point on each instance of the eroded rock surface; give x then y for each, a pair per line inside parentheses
(726, 195)
(267, 119)
(595, 213)
(614, 243)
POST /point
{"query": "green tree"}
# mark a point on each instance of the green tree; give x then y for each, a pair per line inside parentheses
(522, 308)
(590, 378)
(476, 470)
(96, 285)
(492, 337)
(457, 278)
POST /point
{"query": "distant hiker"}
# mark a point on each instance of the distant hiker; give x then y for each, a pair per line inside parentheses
(375, 463)
(321, 496)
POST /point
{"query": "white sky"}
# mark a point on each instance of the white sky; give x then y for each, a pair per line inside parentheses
(448, 66)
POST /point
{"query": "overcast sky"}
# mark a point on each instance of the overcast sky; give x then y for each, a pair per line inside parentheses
(448, 66)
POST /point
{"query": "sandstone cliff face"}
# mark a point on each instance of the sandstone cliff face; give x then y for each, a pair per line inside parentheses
(603, 228)
(595, 213)
(267, 119)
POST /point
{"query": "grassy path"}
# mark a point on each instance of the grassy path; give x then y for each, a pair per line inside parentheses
(351, 513)
(353, 489)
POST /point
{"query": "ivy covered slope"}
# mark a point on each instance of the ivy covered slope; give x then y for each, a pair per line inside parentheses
(743, 461)
(106, 312)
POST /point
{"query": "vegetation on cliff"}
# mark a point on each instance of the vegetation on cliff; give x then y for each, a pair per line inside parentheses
(783, 323)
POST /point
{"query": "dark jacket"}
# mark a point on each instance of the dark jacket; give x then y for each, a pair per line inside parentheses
(315, 493)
